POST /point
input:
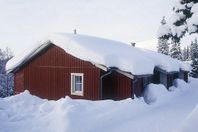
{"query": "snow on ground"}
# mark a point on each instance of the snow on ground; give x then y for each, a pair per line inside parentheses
(24, 112)
(154, 92)
(190, 124)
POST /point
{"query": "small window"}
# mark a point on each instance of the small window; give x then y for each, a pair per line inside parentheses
(77, 84)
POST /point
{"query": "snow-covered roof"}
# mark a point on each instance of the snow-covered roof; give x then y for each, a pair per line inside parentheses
(103, 52)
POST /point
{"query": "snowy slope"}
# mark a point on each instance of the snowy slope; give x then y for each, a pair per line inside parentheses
(105, 52)
(190, 123)
(24, 112)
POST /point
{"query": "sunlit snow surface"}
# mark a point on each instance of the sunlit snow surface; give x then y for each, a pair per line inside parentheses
(174, 110)
(105, 52)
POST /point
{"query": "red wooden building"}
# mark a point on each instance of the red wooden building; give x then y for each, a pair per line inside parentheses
(50, 72)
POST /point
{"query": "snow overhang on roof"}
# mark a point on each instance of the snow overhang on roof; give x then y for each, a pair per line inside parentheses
(103, 53)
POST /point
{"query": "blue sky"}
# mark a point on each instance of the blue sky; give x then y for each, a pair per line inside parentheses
(25, 22)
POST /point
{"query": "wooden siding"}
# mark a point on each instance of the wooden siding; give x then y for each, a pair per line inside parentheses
(116, 86)
(186, 76)
(183, 75)
(167, 78)
(19, 82)
(171, 78)
(48, 75)
(156, 77)
(164, 79)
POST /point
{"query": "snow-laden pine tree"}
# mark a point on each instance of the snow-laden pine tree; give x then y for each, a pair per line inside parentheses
(163, 37)
(6, 80)
(188, 53)
(178, 28)
(175, 50)
(163, 46)
(184, 18)
(194, 57)
(191, 50)
(186, 12)
(192, 13)
(184, 54)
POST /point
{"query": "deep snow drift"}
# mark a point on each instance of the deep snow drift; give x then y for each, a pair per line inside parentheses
(171, 111)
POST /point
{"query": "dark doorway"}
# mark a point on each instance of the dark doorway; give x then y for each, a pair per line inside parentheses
(171, 77)
(116, 86)
(138, 87)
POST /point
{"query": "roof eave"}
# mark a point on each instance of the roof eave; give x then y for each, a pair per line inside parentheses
(31, 55)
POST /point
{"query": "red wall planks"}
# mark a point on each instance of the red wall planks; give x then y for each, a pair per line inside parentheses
(19, 82)
(48, 75)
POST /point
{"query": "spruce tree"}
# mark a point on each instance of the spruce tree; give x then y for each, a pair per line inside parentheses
(178, 30)
(175, 51)
(184, 10)
(6, 80)
(191, 15)
(184, 54)
(163, 46)
(182, 21)
(163, 37)
(188, 53)
(194, 53)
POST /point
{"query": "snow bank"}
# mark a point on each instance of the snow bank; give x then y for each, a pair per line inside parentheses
(30, 113)
(24, 112)
(179, 83)
(190, 124)
(105, 52)
(153, 92)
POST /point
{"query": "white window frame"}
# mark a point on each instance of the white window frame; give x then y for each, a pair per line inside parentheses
(73, 92)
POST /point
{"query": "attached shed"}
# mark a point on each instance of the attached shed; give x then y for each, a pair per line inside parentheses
(85, 67)
(166, 78)
(183, 74)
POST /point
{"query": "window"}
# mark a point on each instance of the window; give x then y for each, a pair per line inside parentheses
(77, 84)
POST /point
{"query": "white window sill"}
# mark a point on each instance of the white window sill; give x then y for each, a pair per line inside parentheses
(77, 93)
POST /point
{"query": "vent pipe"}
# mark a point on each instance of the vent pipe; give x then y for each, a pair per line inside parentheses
(133, 44)
(75, 31)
